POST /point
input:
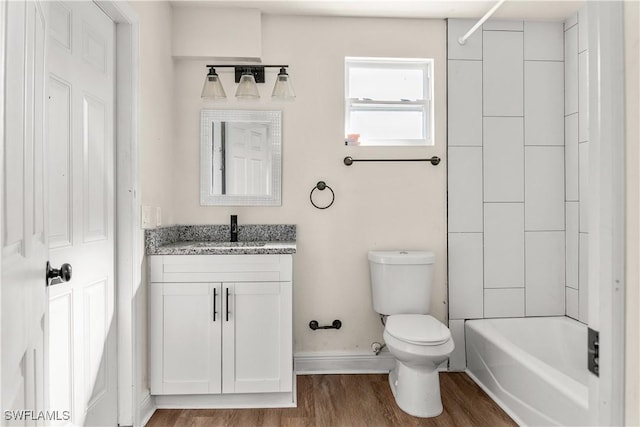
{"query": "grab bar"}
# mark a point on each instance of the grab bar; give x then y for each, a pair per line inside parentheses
(435, 160)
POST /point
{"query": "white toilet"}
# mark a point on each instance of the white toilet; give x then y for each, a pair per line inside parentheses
(401, 289)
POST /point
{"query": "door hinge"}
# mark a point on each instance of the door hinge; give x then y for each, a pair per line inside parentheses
(593, 351)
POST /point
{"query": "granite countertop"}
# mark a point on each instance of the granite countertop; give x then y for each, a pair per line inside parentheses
(213, 240)
(226, 248)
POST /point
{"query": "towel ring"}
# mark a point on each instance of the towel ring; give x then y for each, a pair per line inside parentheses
(321, 185)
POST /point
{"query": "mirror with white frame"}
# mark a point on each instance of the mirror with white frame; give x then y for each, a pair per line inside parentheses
(240, 158)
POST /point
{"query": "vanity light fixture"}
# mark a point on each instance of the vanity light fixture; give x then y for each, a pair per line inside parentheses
(212, 88)
(247, 77)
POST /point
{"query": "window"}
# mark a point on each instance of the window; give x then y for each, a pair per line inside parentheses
(388, 101)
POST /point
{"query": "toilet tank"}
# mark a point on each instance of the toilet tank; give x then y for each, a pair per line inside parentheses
(401, 281)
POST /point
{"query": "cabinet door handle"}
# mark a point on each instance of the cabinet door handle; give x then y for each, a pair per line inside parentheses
(227, 290)
(215, 294)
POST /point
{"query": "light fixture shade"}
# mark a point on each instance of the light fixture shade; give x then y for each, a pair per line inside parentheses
(212, 88)
(247, 88)
(283, 88)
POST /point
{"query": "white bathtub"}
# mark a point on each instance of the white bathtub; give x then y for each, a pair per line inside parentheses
(535, 368)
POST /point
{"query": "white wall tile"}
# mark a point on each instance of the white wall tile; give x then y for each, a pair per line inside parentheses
(583, 96)
(500, 25)
(464, 103)
(503, 303)
(465, 275)
(465, 189)
(545, 288)
(502, 73)
(572, 303)
(571, 71)
(503, 159)
(571, 167)
(503, 245)
(543, 41)
(472, 49)
(583, 261)
(571, 21)
(583, 291)
(583, 302)
(583, 25)
(480, 148)
(543, 103)
(458, 359)
(583, 178)
(571, 157)
(572, 244)
(544, 188)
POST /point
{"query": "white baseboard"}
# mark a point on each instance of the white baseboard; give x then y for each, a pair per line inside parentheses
(147, 407)
(309, 363)
(227, 401)
(343, 363)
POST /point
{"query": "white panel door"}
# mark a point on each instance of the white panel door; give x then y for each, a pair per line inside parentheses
(82, 330)
(24, 237)
(247, 158)
(257, 338)
(187, 352)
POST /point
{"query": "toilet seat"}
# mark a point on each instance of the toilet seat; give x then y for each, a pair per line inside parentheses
(417, 329)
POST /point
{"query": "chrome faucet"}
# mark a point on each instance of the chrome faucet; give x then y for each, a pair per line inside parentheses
(234, 228)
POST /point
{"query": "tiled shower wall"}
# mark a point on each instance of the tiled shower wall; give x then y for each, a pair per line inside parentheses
(506, 166)
(576, 119)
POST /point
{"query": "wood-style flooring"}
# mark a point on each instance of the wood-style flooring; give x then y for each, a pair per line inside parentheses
(350, 400)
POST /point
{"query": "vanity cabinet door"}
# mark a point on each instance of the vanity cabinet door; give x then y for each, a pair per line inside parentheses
(186, 339)
(257, 337)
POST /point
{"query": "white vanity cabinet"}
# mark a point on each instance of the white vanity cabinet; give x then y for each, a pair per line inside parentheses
(221, 325)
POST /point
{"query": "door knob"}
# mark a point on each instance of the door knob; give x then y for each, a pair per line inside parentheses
(63, 273)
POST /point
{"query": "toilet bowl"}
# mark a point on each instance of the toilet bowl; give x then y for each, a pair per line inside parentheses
(419, 343)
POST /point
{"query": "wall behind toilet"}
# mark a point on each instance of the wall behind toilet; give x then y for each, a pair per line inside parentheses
(377, 206)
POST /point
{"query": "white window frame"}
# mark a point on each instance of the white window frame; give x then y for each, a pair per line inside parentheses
(424, 105)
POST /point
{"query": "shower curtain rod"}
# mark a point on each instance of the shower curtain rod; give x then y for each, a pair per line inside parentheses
(486, 16)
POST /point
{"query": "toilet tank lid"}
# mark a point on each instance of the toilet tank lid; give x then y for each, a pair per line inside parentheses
(402, 257)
